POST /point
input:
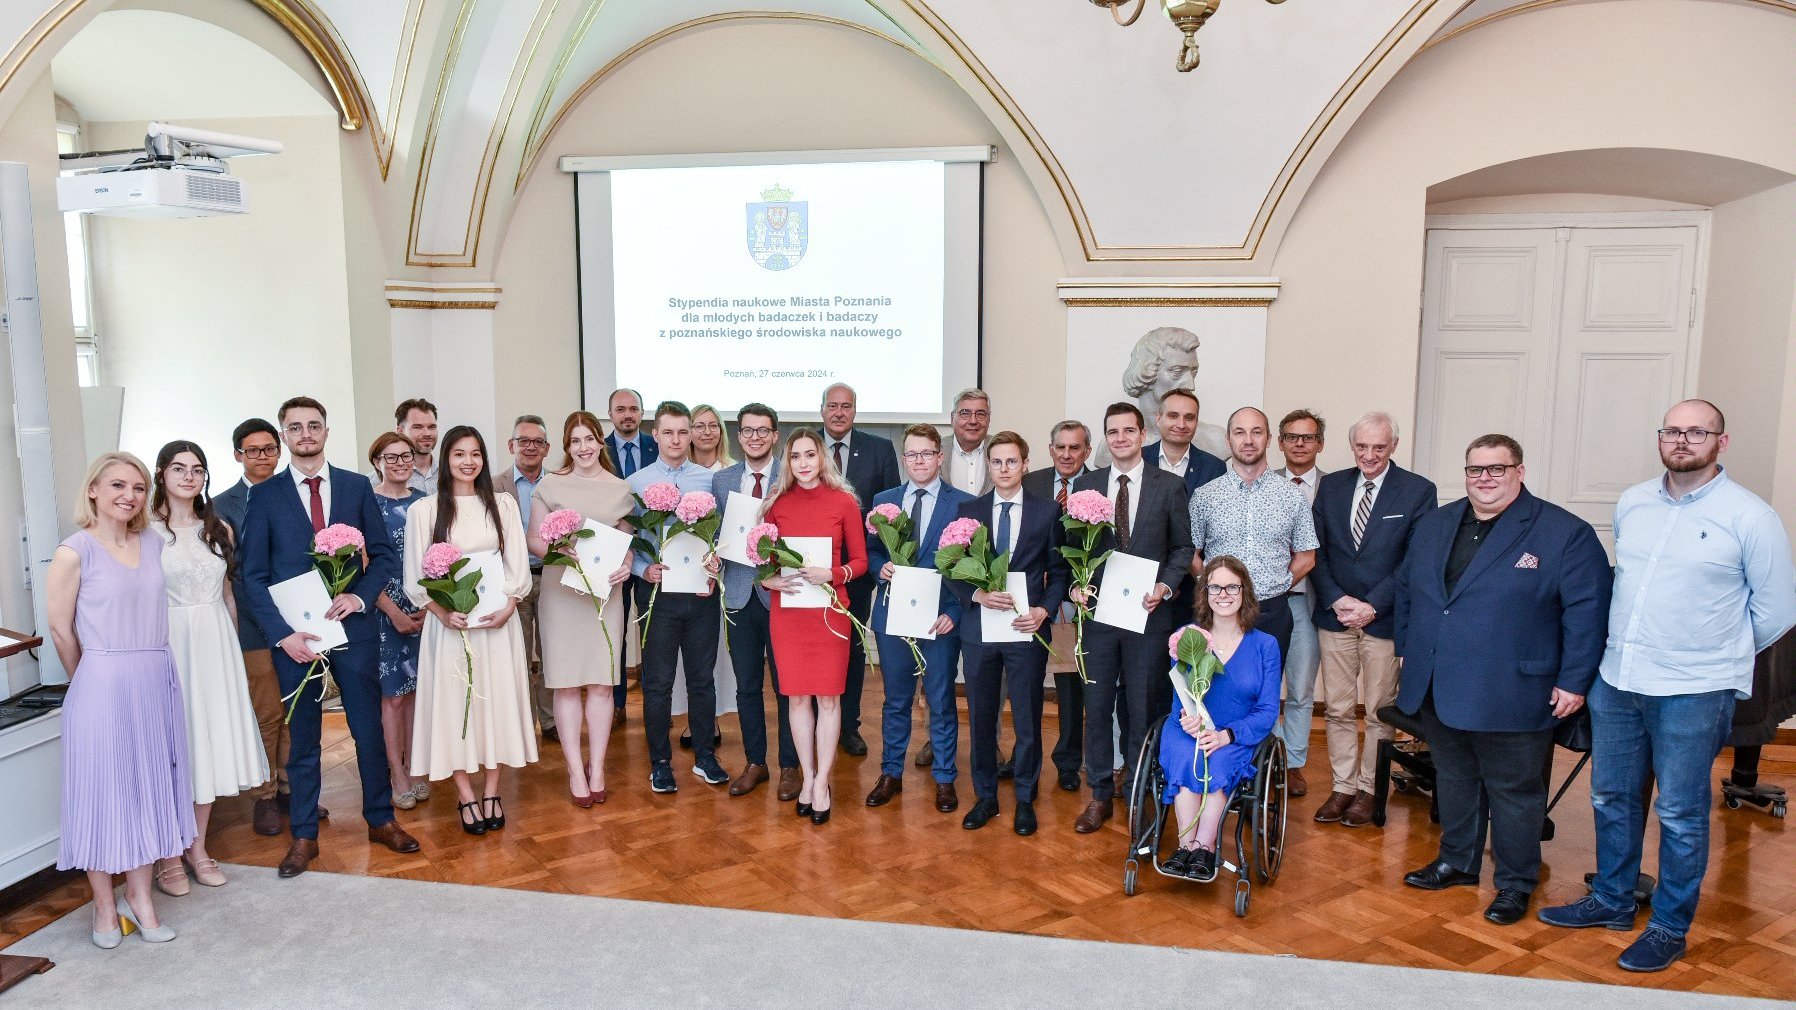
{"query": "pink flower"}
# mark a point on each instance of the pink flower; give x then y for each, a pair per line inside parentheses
(660, 497)
(888, 512)
(337, 536)
(1172, 644)
(693, 506)
(1091, 507)
(958, 534)
(763, 531)
(559, 525)
(439, 559)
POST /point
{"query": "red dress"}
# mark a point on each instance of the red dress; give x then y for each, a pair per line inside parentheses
(810, 645)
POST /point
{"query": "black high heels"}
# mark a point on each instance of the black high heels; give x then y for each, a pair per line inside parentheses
(494, 812)
(804, 809)
(476, 826)
(820, 816)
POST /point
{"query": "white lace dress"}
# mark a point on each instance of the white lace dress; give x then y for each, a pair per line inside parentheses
(224, 745)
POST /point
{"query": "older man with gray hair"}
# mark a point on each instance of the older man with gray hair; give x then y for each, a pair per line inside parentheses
(1364, 517)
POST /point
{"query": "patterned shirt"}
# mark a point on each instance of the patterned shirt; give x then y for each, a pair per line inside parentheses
(1263, 524)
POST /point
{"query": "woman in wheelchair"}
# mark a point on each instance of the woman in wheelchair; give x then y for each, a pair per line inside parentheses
(1243, 703)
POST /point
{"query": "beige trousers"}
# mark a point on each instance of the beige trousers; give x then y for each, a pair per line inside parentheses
(271, 718)
(1357, 669)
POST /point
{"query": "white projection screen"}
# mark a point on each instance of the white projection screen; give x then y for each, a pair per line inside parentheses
(734, 278)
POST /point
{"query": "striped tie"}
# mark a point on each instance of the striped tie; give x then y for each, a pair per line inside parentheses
(1060, 495)
(1362, 513)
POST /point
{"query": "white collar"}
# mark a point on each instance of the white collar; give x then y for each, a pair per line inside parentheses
(300, 478)
(1133, 474)
(999, 499)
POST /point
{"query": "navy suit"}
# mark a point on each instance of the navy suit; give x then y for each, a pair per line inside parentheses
(646, 452)
(276, 546)
(1202, 469)
(1069, 693)
(1530, 613)
(870, 466)
(749, 640)
(941, 655)
(1039, 537)
(1368, 572)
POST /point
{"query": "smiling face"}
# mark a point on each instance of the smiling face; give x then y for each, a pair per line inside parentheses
(805, 457)
(421, 427)
(1490, 493)
(757, 435)
(529, 444)
(707, 432)
(1224, 589)
(184, 478)
(395, 463)
(1372, 446)
(1177, 419)
(465, 460)
(1070, 450)
(118, 493)
(922, 459)
(1300, 442)
(1122, 433)
(838, 410)
(972, 419)
(583, 447)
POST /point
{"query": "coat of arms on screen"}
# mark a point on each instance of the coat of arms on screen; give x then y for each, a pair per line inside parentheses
(779, 230)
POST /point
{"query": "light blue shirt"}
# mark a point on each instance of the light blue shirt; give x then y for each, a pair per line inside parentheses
(1702, 583)
(932, 493)
(526, 499)
(688, 476)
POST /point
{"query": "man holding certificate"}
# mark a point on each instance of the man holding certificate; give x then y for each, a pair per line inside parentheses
(682, 618)
(1027, 527)
(911, 602)
(1125, 642)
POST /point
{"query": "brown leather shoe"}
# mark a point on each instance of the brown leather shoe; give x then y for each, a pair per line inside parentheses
(791, 784)
(1295, 786)
(883, 791)
(1332, 808)
(1358, 813)
(392, 836)
(946, 799)
(746, 782)
(299, 857)
(1095, 814)
(267, 818)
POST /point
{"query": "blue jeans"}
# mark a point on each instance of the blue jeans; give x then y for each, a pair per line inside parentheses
(1675, 739)
(1301, 663)
(941, 660)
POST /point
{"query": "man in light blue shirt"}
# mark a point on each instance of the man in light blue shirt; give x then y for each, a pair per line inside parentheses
(1703, 581)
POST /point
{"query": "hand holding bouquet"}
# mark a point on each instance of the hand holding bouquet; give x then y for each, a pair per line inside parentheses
(562, 530)
(1194, 666)
(339, 554)
(964, 553)
(1088, 515)
(657, 503)
(771, 554)
(893, 527)
(458, 594)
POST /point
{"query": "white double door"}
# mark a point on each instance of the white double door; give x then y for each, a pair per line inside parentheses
(1573, 340)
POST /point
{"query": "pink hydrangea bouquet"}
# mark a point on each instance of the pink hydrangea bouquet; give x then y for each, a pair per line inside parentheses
(697, 514)
(339, 554)
(450, 589)
(964, 553)
(654, 522)
(772, 555)
(1089, 514)
(1195, 665)
(893, 527)
(562, 530)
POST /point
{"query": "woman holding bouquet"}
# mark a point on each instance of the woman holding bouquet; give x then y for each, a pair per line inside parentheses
(457, 732)
(579, 653)
(1242, 703)
(810, 645)
(396, 622)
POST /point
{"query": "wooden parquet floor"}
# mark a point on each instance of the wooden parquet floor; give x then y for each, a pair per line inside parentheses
(1340, 897)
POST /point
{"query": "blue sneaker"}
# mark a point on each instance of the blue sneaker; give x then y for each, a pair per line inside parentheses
(708, 769)
(1588, 911)
(661, 778)
(1655, 950)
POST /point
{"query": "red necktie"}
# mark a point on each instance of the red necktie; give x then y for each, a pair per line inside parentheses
(758, 489)
(837, 450)
(317, 503)
(1060, 495)
(1297, 481)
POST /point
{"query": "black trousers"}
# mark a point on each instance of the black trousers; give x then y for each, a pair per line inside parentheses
(1489, 781)
(860, 604)
(1020, 670)
(1275, 620)
(1128, 673)
(684, 627)
(1069, 747)
(751, 655)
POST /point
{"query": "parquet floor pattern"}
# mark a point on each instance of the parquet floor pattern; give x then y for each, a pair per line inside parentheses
(1340, 897)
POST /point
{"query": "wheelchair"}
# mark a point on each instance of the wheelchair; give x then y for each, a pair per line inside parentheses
(1258, 807)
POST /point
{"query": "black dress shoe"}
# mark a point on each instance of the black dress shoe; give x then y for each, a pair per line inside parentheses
(982, 812)
(1508, 907)
(1025, 817)
(1069, 781)
(852, 744)
(1439, 876)
(820, 816)
(1007, 766)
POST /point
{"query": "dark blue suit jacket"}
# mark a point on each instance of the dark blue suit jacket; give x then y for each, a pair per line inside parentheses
(646, 450)
(1038, 543)
(1160, 529)
(947, 509)
(1530, 614)
(871, 466)
(1370, 572)
(277, 544)
(231, 504)
(1202, 469)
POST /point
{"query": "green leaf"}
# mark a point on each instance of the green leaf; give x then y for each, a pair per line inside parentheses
(982, 542)
(1000, 571)
(1072, 553)
(889, 538)
(905, 554)
(947, 557)
(969, 570)
(1191, 649)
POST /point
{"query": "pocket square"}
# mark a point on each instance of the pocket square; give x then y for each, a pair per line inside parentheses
(1527, 561)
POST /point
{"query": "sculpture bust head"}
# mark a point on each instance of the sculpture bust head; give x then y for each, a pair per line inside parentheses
(1164, 359)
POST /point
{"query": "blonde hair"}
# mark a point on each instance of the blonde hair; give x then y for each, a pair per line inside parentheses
(827, 474)
(723, 434)
(86, 516)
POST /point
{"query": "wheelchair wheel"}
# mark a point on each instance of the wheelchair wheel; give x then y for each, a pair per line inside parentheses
(1269, 810)
(1240, 904)
(1146, 815)
(1129, 872)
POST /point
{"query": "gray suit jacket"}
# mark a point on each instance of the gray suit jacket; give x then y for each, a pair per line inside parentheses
(1041, 482)
(739, 580)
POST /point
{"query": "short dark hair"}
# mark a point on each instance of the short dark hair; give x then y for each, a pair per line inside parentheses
(1124, 407)
(674, 407)
(1008, 438)
(759, 410)
(401, 412)
(1305, 414)
(250, 427)
(927, 431)
(1196, 404)
(1494, 441)
(301, 401)
(622, 389)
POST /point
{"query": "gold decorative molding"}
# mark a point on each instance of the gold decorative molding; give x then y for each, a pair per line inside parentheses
(1787, 6)
(319, 38)
(421, 303)
(432, 295)
(27, 44)
(562, 59)
(1154, 302)
(452, 58)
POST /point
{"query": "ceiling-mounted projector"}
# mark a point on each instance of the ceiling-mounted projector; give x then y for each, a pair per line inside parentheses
(179, 172)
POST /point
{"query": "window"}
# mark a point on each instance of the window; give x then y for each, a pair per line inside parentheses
(74, 233)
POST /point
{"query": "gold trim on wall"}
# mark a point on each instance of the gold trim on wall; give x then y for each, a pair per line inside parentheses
(1145, 302)
(419, 303)
(1787, 6)
(34, 36)
(313, 32)
(451, 59)
(568, 47)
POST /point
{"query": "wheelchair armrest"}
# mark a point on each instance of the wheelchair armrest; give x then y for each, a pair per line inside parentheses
(1393, 716)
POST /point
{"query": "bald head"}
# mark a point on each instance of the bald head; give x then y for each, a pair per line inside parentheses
(1249, 431)
(1699, 413)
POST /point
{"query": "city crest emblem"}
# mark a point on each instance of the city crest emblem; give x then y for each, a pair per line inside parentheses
(779, 230)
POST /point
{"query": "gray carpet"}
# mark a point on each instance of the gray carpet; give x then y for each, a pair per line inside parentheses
(346, 941)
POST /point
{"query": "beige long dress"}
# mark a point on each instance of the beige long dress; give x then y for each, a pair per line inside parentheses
(575, 653)
(500, 731)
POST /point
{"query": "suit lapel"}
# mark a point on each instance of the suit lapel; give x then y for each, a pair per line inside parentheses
(1508, 528)
(938, 521)
(287, 493)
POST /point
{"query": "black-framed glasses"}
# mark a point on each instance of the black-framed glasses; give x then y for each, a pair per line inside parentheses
(264, 452)
(395, 458)
(532, 443)
(919, 455)
(1494, 470)
(759, 431)
(1300, 438)
(1694, 436)
(1223, 589)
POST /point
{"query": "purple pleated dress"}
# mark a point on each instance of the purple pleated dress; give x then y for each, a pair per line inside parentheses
(127, 799)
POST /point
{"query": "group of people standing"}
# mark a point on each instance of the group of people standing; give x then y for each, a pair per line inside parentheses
(1486, 619)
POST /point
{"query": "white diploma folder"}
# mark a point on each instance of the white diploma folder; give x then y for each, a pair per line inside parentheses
(600, 555)
(684, 556)
(491, 586)
(741, 513)
(818, 552)
(1192, 704)
(302, 601)
(1127, 581)
(994, 625)
(916, 602)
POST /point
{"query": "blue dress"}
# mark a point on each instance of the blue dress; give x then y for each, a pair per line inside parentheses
(1243, 699)
(398, 653)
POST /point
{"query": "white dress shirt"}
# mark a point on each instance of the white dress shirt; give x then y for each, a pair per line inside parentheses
(1359, 491)
(1169, 466)
(1134, 487)
(748, 479)
(1307, 482)
(932, 493)
(966, 470)
(305, 493)
(1016, 521)
(829, 446)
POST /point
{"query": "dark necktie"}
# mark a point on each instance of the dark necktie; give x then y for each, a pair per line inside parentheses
(1060, 495)
(836, 451)
(916, 516)
(1003, 543)
(1362, 513)
(629, 457)
(317, 503)
(1297, 481)
(759, 491)
(1122, 512)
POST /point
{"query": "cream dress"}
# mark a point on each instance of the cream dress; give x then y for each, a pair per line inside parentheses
(575, 652)
(500, 731)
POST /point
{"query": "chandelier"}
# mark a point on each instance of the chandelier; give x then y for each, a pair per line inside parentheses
(1186, 15)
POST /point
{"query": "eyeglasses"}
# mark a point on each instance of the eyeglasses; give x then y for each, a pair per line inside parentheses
(1218, 589)
(918, 456)
(707, 426)
(265, 452)
(1495, 470)
(973, 415)
(179, 470)
(395, 458)
(1300, 438)
(1694, 436)
(296, 428)
(532, 443)
(757, 432)
(1004, 464)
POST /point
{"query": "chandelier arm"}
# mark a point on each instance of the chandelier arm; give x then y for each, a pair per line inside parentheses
(1188, 56)
(1114, 16)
